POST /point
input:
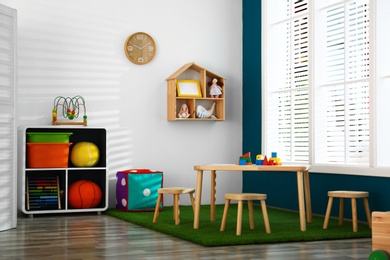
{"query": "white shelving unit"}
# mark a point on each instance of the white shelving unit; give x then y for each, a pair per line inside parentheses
(66, 176)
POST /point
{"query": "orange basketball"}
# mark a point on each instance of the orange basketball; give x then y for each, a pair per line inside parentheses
(84, 194)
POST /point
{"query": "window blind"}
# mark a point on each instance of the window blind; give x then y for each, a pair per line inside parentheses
(288, 113)
(347, 70)
(308, 120)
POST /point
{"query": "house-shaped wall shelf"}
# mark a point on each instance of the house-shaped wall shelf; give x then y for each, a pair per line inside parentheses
(193, 91)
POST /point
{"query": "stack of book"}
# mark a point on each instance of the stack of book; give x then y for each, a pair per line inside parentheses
(43, 192)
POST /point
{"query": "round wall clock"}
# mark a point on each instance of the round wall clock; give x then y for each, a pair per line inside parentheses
(140, 48)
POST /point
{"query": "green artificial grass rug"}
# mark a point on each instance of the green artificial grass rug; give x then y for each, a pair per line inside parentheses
(284, 226)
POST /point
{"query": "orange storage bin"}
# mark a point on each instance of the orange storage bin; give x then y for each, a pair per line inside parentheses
(48, 155)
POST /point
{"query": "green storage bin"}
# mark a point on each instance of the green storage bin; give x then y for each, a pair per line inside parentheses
(48, 137)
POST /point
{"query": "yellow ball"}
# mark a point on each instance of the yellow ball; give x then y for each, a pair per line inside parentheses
(84, 154)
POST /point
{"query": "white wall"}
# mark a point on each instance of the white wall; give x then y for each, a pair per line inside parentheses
(75, 47)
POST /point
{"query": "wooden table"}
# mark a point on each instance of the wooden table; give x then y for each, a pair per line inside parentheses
(302, 182)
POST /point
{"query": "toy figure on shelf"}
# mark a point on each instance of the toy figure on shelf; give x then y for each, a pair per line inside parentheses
(184, 111)
(215, 89)
(202, 112)
(70, 108)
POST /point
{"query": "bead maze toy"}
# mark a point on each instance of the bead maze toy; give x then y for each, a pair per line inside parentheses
(70, 108)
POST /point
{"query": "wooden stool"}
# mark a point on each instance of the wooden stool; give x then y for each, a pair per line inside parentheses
(175, 191)
(249, 197)
(353, 195)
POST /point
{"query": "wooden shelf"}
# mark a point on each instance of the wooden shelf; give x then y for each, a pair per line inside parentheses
(65, 176)
(191, 71)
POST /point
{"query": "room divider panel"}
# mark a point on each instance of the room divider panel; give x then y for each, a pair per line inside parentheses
(8, 197)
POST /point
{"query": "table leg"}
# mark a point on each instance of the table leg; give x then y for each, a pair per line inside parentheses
(198, 197)
(301, 201)
(213, 194)
(306, 183)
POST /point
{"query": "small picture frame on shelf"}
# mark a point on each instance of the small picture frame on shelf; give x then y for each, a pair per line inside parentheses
(188, 88)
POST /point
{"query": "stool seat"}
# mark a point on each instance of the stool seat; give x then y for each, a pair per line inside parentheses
(240, 197)
(245, 196)
(353, 195)
(348, 194)
(175, 191)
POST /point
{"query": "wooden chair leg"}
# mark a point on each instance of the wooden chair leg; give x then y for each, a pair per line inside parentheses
(354, 215)
(368, 214)
(250, 213)
(327, 215)
(192, 201)
(176, 209)
(265, 217)
(157, 209)
(341, 212)
(239, 218)
(225, 214)
(173, 208)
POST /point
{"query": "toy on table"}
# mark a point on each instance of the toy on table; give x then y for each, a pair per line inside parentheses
(245, 159)
(259, 159)
(274, 160)
(265, 161)
(215, 89)
(262, 159)
(70, 108)
(184, 111)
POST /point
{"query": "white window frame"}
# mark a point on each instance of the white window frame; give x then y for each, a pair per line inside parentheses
(379, 82)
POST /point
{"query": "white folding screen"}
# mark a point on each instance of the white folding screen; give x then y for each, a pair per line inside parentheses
(8, 195)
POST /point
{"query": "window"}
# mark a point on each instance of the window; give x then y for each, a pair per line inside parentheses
(321, 86)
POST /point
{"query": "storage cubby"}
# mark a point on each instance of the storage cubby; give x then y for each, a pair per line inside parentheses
(191, 71)
(44, 190)
(64, 176)
(97, 176)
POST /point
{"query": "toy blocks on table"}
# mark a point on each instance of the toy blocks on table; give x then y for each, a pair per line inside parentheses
(136, 189)
(247, 155)
(245, 159)
(259, 159)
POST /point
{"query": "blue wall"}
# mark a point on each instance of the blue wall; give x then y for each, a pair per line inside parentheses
(281, 188)
(251, 76)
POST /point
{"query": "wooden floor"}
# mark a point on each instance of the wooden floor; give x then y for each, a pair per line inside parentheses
(98, 236)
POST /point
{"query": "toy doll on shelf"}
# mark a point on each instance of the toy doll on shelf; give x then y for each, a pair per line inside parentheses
(184, 111)
(215, 89)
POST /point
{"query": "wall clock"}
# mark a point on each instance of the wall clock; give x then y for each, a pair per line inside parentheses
(140, 48)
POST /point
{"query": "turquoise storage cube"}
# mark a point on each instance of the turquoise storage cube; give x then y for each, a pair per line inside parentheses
(136, 189)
